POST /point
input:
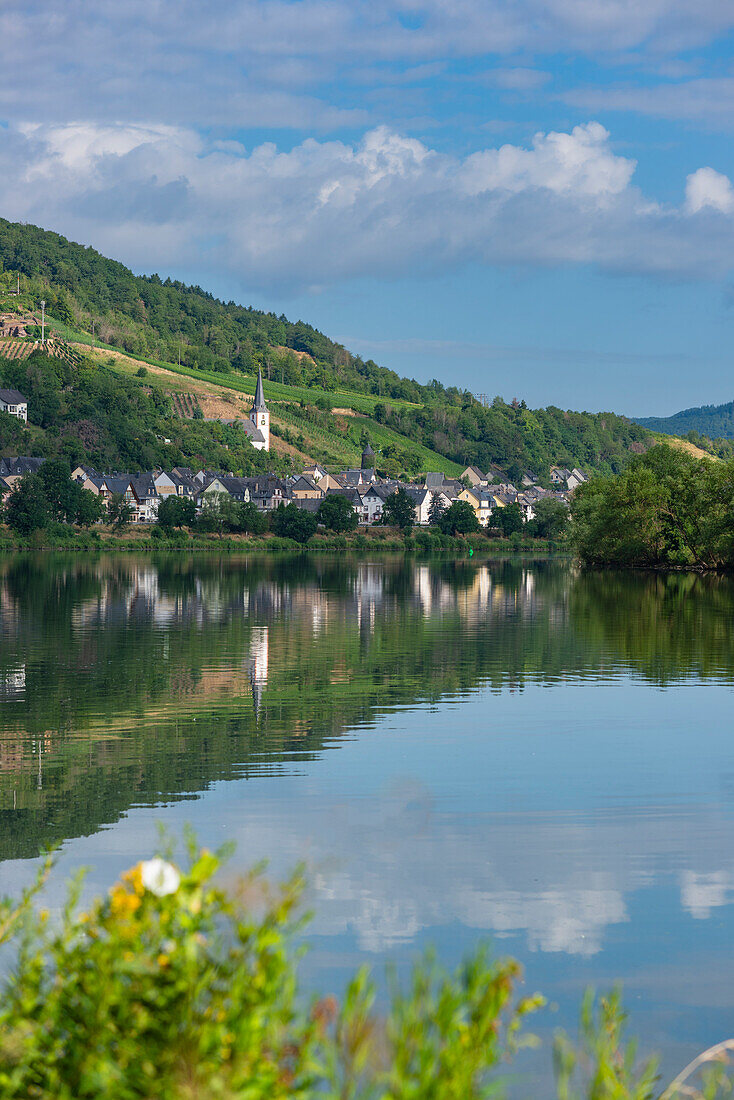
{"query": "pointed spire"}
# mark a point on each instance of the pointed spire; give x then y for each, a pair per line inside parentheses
(259, 402)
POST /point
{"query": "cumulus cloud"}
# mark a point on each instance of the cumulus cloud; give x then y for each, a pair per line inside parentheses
(165, 198)
(708, 188)
(580, 163)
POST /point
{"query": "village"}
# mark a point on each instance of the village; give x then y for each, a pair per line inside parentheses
(362, 487)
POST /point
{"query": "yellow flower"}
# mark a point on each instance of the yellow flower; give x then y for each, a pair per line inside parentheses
(122, 903)
(135, 878)
(163, 960)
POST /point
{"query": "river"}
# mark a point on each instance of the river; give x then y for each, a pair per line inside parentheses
(504, 749)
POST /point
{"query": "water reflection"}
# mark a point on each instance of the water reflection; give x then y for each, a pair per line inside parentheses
(454, 748)
(125, 679)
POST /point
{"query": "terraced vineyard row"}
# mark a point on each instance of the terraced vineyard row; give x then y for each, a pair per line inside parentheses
(21, 349)
(185, 404)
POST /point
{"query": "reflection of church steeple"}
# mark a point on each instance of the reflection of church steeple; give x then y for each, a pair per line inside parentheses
(258, 666)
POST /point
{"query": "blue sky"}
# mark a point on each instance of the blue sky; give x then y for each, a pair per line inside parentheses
(525, 197)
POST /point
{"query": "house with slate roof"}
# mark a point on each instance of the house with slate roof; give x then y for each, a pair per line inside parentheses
(147, 498)
(474, 476)
(13, 402)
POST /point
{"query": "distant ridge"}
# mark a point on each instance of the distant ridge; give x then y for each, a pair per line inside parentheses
(714, 421)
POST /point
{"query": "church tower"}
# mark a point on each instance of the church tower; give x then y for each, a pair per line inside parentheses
(260, 416)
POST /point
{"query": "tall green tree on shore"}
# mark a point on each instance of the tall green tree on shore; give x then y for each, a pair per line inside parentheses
(399, 510)
(459, 519)
(26, 509)
(120, 511)
(508, 519)
(336, 514)
(291, 522)
(667, 509)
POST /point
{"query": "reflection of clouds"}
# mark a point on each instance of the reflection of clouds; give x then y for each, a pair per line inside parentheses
(388, 868)
(379, 922)
(700, 893)
(571, 920)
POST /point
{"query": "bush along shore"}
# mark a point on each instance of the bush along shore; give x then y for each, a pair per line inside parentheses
(668, 510)
(68, 537)
(172, 987)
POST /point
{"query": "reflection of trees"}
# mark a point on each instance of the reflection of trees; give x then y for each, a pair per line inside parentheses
(665, 627)
(131, 678)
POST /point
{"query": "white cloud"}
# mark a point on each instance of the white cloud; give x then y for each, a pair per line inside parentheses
(162, 198)
(580, 163)
(281, 64)
(707, 101)
(708, 188)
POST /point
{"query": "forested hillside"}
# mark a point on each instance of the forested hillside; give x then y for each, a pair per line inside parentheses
(713, 421)
(89, 413)
(114, 420)
(154, 317)
(520, 439)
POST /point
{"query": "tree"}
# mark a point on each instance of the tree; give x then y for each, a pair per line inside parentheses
(551, 518)
(337, 514)
(667, 508)
(436, 509)
(119, 511)
(508, 519)
(218, 513)
(250, 519)
(27, 509)
(176, 511)
(399, 510)
(290, 522)
(89, 509)
(459, 519)
(61, 491)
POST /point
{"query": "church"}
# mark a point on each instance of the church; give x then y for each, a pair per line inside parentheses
(258, 426)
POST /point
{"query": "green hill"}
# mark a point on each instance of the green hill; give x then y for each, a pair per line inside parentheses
(152, 346)
(713, 421)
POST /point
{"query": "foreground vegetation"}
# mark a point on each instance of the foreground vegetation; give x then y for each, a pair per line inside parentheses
(172, 987)
(667, 509)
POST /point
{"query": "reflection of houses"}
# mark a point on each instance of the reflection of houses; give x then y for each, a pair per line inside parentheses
(258, 665)
(12, 682)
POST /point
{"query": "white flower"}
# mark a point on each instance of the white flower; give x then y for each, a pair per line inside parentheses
(159, 877)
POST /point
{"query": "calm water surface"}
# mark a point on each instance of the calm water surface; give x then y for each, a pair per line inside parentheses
(458, 750)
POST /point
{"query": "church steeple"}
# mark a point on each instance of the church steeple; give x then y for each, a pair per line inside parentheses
(259, 402)
(260, 416)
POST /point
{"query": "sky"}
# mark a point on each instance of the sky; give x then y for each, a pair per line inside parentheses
(530, 198)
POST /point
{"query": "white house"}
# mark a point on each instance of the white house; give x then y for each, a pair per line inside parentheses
(373, 500)
(13, 402)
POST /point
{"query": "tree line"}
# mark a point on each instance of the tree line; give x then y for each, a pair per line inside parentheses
(668, 509)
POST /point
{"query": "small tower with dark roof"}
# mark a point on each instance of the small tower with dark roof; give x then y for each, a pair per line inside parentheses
(368, 458)
(259, 414)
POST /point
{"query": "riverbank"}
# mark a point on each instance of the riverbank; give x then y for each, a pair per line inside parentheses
(61, 537)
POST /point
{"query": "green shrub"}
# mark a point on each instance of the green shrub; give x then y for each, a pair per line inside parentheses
(173, 988)
(170, 987)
